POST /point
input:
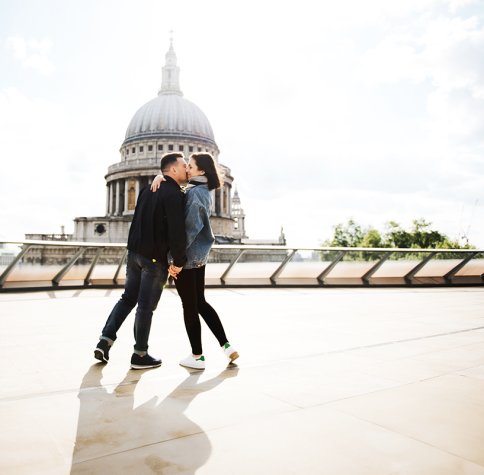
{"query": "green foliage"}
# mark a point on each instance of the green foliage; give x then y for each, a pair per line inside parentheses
(349, 235)
(372, 238)
(419, 236)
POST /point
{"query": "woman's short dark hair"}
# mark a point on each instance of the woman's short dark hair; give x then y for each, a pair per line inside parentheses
(206, 163)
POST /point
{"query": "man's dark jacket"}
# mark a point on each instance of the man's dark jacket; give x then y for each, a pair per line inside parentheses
(158, 225)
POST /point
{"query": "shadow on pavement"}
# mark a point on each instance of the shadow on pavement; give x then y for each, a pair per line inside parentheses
(114, 436)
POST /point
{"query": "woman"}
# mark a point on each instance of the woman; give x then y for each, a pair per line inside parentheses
(190, 282)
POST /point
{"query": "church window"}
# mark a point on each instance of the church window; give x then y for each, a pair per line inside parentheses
(199, 149)
(170, 147)
(127, 151)
(180, 148)
(141, 148)
(150, 148)
(160, 147)
(133, 150)
(131, 195)
(99, 228)
(190, 148)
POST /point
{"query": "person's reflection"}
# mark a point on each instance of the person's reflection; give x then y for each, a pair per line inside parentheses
(110, 427)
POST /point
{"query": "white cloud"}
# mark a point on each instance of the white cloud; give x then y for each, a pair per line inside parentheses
(53, 176)
(455, 5)
(32, 54)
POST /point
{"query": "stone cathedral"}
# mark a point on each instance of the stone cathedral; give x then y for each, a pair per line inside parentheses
(167, 123)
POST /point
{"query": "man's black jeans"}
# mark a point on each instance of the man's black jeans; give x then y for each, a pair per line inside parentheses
(144, 283)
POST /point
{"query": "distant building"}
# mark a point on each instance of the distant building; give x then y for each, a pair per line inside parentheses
(6, 255)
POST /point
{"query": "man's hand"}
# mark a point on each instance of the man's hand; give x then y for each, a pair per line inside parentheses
(156, 182)
(174, 271)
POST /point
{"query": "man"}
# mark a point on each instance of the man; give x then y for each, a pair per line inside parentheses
(158, 227)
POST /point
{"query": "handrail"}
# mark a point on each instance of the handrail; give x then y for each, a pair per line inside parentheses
(312, 274)
(254, 247)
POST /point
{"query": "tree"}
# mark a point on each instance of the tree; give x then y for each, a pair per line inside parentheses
(372, 238)
(420, 236)
(346, 235)
(396, 236)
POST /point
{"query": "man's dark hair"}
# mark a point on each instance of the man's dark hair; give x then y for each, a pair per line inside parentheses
(168, 160)
(206, 163)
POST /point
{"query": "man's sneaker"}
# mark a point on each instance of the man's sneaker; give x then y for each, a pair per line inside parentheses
(101, 352)
(195, 363)
(144, 362)
(230, 352)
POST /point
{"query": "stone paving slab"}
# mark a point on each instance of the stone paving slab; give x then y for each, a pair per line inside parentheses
(330, 381)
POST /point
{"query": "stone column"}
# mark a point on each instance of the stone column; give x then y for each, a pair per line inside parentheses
(110, 208)
(125, 195)
(117, 203)
(137, 189)
(213, 202)
(229, 190)
(222, 200)
(107, 199)
(217, 202)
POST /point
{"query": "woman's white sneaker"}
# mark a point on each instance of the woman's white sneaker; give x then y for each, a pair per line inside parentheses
(195, 363)
(230, 352)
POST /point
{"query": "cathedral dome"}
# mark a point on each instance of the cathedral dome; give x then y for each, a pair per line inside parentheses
(170, 115)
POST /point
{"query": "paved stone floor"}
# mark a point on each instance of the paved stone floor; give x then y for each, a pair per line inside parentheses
(330, 381)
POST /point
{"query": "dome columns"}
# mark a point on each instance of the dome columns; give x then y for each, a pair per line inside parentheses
(121, 194)
(223, 200)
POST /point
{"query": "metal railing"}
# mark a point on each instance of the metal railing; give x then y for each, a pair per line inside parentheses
(41, 265)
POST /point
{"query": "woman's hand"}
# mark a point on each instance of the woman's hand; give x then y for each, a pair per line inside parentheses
(156, 182)
(174, 270)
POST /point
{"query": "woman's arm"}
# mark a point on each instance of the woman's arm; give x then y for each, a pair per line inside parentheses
(155, 184)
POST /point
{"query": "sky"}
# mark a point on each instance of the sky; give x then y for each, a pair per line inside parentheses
(324, 111)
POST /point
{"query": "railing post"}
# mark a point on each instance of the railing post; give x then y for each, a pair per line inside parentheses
(366, 277)
(408, 277)
(7, 271)
(58, 277)
(115, 278)
(448, 277)
(87, 279)
(329, 268)
(236, 258)
(275, 275)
